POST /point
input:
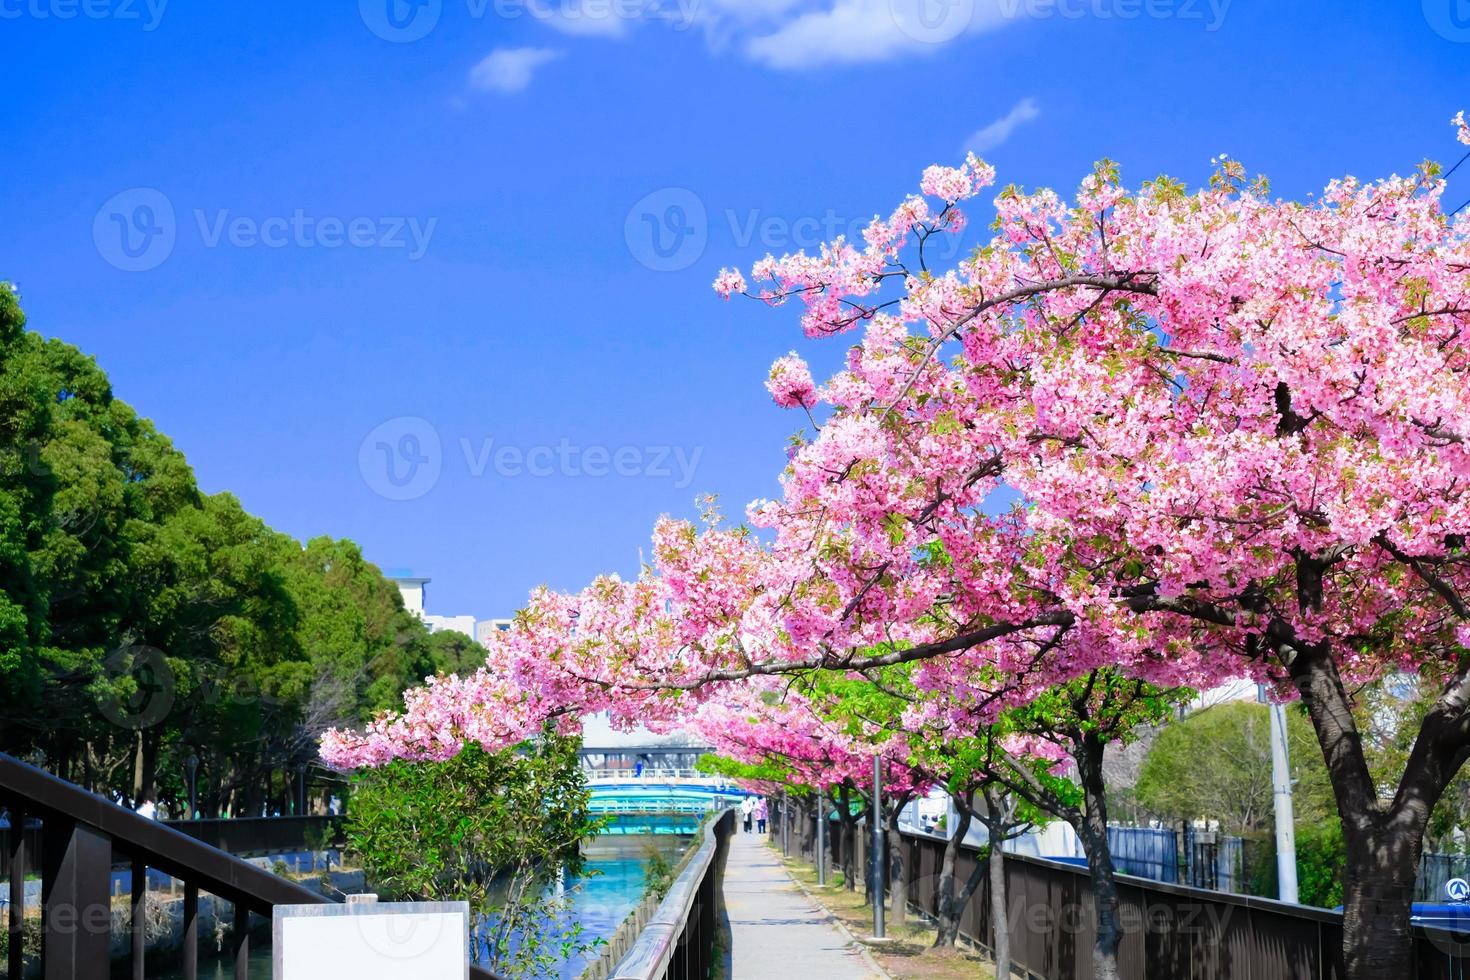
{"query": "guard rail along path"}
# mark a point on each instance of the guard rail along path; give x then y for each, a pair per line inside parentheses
(1171, 932)
(80, 833)
(679, 941)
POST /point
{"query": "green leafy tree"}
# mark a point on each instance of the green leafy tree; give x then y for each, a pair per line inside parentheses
(1215, 764)
(1389, 714)
(495, 829)
(143, 622)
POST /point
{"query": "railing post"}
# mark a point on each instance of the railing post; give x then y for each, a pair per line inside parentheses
(191, 931)
(139, 924)
(76, 907)
(241, 939)
(17, 924)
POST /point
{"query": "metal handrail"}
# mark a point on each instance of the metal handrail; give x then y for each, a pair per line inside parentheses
(40, 794)
(650, 956)
(80, 829)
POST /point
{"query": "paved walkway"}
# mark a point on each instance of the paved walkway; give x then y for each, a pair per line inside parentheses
(777, 932)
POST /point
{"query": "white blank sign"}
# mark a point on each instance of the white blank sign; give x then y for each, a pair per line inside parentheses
(388, 941)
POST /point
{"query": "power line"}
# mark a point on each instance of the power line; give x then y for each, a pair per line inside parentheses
(1457, 166)
(1447, 174)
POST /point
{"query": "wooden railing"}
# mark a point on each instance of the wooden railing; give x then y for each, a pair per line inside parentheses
(81, 834)
(678, 943)
(1169, 931)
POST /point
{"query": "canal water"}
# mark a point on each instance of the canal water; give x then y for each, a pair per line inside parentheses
(614, 882)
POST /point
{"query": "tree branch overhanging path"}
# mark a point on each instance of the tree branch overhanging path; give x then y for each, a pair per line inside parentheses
(1180, 437)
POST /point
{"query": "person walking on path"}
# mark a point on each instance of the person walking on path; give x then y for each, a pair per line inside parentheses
(762, 813)
(747, 807)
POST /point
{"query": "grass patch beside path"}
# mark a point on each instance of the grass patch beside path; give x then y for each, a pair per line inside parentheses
(909, 953)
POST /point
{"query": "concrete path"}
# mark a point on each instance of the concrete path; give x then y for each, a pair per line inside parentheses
(776, 931)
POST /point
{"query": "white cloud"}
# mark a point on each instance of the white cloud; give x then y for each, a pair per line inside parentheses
(508, 70)
(999, 131)
(858, 31)
(793, 34)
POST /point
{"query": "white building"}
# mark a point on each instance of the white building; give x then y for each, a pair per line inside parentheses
(485, 627)
(414, 591)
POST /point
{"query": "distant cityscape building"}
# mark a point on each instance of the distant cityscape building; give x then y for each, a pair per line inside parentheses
(414, 591)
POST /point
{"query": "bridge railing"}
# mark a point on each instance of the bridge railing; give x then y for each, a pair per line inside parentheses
(649, 774)
(80, 833)
(265, 835)
(679, 941)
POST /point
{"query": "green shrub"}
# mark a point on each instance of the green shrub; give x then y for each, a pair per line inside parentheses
(1321, 856)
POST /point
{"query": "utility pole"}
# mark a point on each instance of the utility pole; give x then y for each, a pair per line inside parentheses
(1281, 786)
(875, 816)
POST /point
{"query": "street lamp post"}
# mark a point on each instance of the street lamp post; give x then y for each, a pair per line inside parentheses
(821, 837)
(875, 815)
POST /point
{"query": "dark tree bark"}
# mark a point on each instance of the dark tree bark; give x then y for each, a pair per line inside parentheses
(865, 859)
(1092, 827)
(847, 838)
(1000, 941)
(1000, 826)
(898, 882)
(950, 901)
(1383, 838)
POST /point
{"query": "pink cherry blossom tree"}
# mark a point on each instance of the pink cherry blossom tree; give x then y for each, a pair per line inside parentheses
(1183, 435)
(1238, 428)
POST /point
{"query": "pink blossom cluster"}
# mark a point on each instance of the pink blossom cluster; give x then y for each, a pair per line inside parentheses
(790, 383)
(1112, 436)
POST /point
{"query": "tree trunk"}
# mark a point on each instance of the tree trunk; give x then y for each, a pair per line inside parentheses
(1093, 830)
(850, 863)
(948, 902)
(998, 815)
(865, 859)
(1378, 895)
(1383, 838)
(898, 881)
(1000, 924)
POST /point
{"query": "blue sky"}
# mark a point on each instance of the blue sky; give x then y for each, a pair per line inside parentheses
(388, 270)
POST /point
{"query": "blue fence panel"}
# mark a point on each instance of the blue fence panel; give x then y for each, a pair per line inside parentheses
(1145, 852)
